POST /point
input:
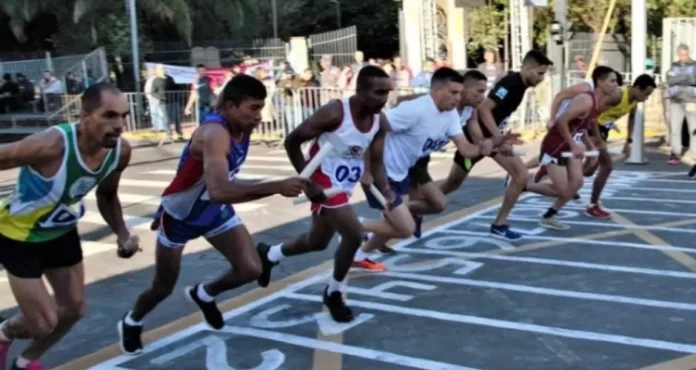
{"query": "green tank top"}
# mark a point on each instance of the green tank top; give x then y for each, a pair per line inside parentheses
(41, 209)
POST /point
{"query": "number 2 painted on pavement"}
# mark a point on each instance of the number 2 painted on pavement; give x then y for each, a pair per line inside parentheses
(352, 174)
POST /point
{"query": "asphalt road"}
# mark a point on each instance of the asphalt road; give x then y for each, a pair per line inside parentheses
(611, 294)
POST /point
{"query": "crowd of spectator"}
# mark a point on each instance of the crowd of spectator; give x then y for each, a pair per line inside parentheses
(18, 94)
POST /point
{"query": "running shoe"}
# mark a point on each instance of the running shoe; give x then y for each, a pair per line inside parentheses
(596, 211)
(211, 314)
(369, 265)
(130, 337)
(265, 277)
(553, 222)
(337, 306)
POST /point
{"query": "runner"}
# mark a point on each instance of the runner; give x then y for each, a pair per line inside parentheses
(197, 203)
(473, 93)
(353, 126)
(417, 128)
(565, 135)
(38, 221)
(493, 113)
(616, 105)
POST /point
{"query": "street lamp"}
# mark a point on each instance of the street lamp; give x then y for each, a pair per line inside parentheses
(338, 11)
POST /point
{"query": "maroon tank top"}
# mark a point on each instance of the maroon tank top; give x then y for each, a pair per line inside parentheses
(553, 143)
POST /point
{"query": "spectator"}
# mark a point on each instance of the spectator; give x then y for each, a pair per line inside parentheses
(403, 75)
(9, 95)
(328, 79)
(359, 62)
(681, 79)
(173, 104)
(51, 90)
(157, 99)
(73, 85)
(308, 84)
(491, 68)
(267, 113)
(201, 92)
(26, 89)
(422, 79)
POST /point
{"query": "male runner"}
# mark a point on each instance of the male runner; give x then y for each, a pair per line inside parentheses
(197, 203)
(38, 221)
(566, 135)
(616, 105)
(502, 101)
(353, 126)
(417, 128)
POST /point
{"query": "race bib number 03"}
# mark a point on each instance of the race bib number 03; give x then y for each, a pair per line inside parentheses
(349, 174)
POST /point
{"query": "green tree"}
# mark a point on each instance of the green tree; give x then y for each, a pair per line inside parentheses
(487, 26)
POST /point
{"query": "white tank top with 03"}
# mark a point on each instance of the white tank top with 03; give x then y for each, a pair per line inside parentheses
(345, 165)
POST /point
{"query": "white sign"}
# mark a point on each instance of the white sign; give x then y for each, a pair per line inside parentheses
(181, 75)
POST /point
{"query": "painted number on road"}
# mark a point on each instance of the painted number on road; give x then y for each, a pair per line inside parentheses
(216, 355)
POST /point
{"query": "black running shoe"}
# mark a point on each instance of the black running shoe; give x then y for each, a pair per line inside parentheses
(211, 314)
(419, 223)
(129, 337)
(692, 172)
(337, 307)
(265, 278)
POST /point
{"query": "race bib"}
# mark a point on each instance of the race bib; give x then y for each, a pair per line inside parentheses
(577, 137)
(348, 173)
(64, 216)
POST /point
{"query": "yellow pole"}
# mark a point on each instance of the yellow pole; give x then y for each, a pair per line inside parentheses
(600, 39)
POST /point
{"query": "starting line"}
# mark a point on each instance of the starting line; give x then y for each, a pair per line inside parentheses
(271, 319)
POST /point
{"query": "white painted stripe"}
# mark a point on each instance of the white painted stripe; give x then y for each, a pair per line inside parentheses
(588, 186)
(366, 353)
(555, 262)
(163, 184)
(132, 222)
(600, 224)
(127, 198)
(543, 291)
(145, 183)
(608, 243)
(545, 205)
(88, 249)
(511, 325)
(635, 199)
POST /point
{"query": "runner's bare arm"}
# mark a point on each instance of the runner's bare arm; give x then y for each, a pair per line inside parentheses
(579, 107)
(474, 128)
(107, 195)
(631, 124)
(486, 119)
(611, 100)
(565, 94)
(465, 148)
(376, 156)
(328, 118)
(39, 148)
(213, 141)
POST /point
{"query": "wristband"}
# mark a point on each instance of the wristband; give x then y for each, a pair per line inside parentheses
(629, 140)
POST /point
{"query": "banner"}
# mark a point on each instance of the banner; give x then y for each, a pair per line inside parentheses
(181, 75)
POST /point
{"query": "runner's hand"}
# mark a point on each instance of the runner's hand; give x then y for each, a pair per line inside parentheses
(510, 138)
(486, 147)
(390, 197)
(601, 145)
(315, 193)
(128, 245)
(293, 186)
(505, 149)
(578, 150)
(626, 150)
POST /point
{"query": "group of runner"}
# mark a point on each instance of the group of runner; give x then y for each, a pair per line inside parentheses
(388, 152)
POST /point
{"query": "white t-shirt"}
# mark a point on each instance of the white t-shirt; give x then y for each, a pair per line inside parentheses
(467, 112)
(417, 129)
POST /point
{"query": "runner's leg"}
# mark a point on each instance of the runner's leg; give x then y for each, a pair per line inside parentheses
(567, 179)
(606, 166)
(172, 236)
(68, 289)
(518, 180)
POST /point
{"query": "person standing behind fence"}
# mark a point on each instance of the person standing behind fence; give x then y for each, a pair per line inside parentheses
(201, 92)
(681, 79)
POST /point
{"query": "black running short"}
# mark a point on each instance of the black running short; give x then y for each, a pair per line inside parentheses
(465, 164)
(30, 260)
(418, 174)
(603, 131)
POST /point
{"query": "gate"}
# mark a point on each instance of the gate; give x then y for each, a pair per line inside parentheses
(341, 44)
(676, 31)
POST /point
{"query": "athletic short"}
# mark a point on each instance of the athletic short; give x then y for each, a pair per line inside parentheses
(173, 233)
(336, 201)
(604, 130)
(418, 175)
(398, 188)
(30, 260)
(547, 159)
(465, 164)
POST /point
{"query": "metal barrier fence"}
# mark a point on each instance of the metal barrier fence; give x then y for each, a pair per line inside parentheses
(148, 113)
(341, 44)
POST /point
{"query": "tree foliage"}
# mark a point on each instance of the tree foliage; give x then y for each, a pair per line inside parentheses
(487, 26)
